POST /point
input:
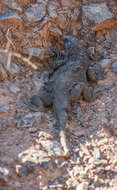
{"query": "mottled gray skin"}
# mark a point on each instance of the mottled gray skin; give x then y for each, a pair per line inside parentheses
(66, 83)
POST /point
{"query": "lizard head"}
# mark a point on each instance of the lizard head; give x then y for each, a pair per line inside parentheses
(72, 44)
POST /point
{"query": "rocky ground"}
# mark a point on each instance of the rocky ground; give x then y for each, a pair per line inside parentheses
(30, 158)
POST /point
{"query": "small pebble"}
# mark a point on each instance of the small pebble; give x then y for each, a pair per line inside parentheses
(82, 186)
(4, 108)
(14, 89)
(23, 170)
(114, 67)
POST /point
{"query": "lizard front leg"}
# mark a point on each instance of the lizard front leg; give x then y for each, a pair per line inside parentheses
(39, 101)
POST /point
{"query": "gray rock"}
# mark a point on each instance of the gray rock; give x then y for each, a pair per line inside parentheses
(34, 13)
(26, 121)
(23, 170)
(4, 108)
(114, 67)
(35, 158)
(14, 89)
(105, 63)
(97, 12)
(15, 184)
(9, 15)
(41, 53)
(52, 147)
(12, 4)
(4, 173)
(6, 159)
(13, 69)
(3, 59)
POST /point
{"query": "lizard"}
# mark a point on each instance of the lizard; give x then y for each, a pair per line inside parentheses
(66, 83)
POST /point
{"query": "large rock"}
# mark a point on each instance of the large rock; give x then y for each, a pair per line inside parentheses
(96, 12)
(114, 67)
(12, 4)
(13, 88)
(9, 15)
(99, 14)
(28, 120)
(34, 13)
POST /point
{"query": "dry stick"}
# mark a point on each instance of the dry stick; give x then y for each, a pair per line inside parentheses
(10, 54)
(9, 61)
(9, 41)
(7, 49)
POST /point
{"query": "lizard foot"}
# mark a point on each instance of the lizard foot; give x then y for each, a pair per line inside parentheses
(33, 107)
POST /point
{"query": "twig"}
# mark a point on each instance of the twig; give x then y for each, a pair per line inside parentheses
(73, 134)
(10, 54)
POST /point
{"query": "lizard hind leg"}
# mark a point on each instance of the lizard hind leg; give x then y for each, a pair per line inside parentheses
(76, 92)
(39, 101)
(88, 94)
